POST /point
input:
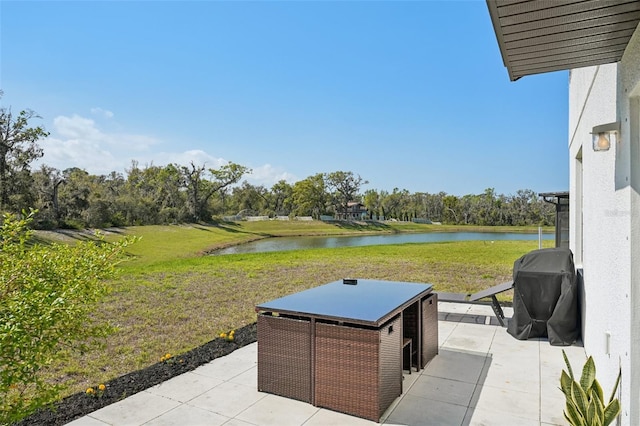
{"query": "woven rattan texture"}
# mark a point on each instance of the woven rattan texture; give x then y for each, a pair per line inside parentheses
(429, 328)
(390, 365)
(284, 357)
(349, 368)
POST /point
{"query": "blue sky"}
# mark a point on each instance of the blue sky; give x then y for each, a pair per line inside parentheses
(410, 95)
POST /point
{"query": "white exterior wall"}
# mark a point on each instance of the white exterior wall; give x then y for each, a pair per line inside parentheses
(604, 221)
(628, 174)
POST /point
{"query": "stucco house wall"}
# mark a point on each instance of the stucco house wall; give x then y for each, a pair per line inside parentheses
(605, 219)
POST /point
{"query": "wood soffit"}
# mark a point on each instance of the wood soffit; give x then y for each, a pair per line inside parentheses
(539, 36)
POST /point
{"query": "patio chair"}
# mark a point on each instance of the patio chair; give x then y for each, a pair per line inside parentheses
(476, 297)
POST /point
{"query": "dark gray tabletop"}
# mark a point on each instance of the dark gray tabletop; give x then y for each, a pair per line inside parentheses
(368, 301)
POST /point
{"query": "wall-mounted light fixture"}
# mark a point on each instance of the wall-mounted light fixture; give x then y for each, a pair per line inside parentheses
(602, 135)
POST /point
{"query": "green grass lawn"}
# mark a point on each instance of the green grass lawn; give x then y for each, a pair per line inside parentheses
(170, 297)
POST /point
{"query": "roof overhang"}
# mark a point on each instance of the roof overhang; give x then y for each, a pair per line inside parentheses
(549, 196)
(538, 36)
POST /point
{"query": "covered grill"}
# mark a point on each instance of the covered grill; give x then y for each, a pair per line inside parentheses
(545, 297)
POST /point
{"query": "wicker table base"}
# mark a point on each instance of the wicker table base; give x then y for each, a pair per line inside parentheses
(344, 367)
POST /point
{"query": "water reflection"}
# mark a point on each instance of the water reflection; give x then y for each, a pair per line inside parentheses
(300, 243)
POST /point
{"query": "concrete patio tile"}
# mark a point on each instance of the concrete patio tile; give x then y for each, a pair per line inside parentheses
(525, 363)
(228, 399)
(482, 417)
(226, 368)
(471, 337)
(456, 365)
(550, 365)
(443, 390)
(276, 410)
(452, 317)
(135, 410)
(552, 407)
(445, 328)
(331, 418)
(529, 352)
(485, 310)
(504, 343)
(510, 402)
(512, 377)
(552, 361)
(236, 422)
(502, 335)
(481, 376)
(416, 411)
(552, 382)
(460, 308)
(186, 415)
(185, 387)
(526, 357)
(408, 380)
(87, 421)
(461, 312)
(513, 371)
(477, 329)
(248, 378)
(247, 353)
(476, 319)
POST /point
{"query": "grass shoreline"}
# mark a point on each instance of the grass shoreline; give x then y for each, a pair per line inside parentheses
(173, 298)
(226, 234)
(395, 230)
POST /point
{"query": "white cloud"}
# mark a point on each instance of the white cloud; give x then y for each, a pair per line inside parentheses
(85, 131)
(79, 142)
(105, 113)
(268, 175)
(76, 127)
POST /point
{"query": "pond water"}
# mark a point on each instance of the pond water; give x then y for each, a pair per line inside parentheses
(300, 243)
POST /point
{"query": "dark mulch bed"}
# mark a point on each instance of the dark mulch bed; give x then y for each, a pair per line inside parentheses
(80, 404)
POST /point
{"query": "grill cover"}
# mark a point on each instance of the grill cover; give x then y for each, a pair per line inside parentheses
(545, 297)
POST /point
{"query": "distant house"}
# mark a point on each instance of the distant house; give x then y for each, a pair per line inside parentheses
(355, 211)
(599, 43)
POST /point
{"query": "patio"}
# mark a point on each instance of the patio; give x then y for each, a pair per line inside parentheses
(481, 376)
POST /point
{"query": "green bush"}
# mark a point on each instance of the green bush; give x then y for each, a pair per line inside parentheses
(47, 299)
(585, 400)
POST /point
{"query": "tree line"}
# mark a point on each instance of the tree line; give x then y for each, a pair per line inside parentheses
(174, 193)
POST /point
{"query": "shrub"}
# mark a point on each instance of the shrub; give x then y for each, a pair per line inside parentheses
(47, 300)
(585, 400)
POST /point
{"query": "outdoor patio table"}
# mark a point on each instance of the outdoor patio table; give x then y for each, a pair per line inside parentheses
(340, 345)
